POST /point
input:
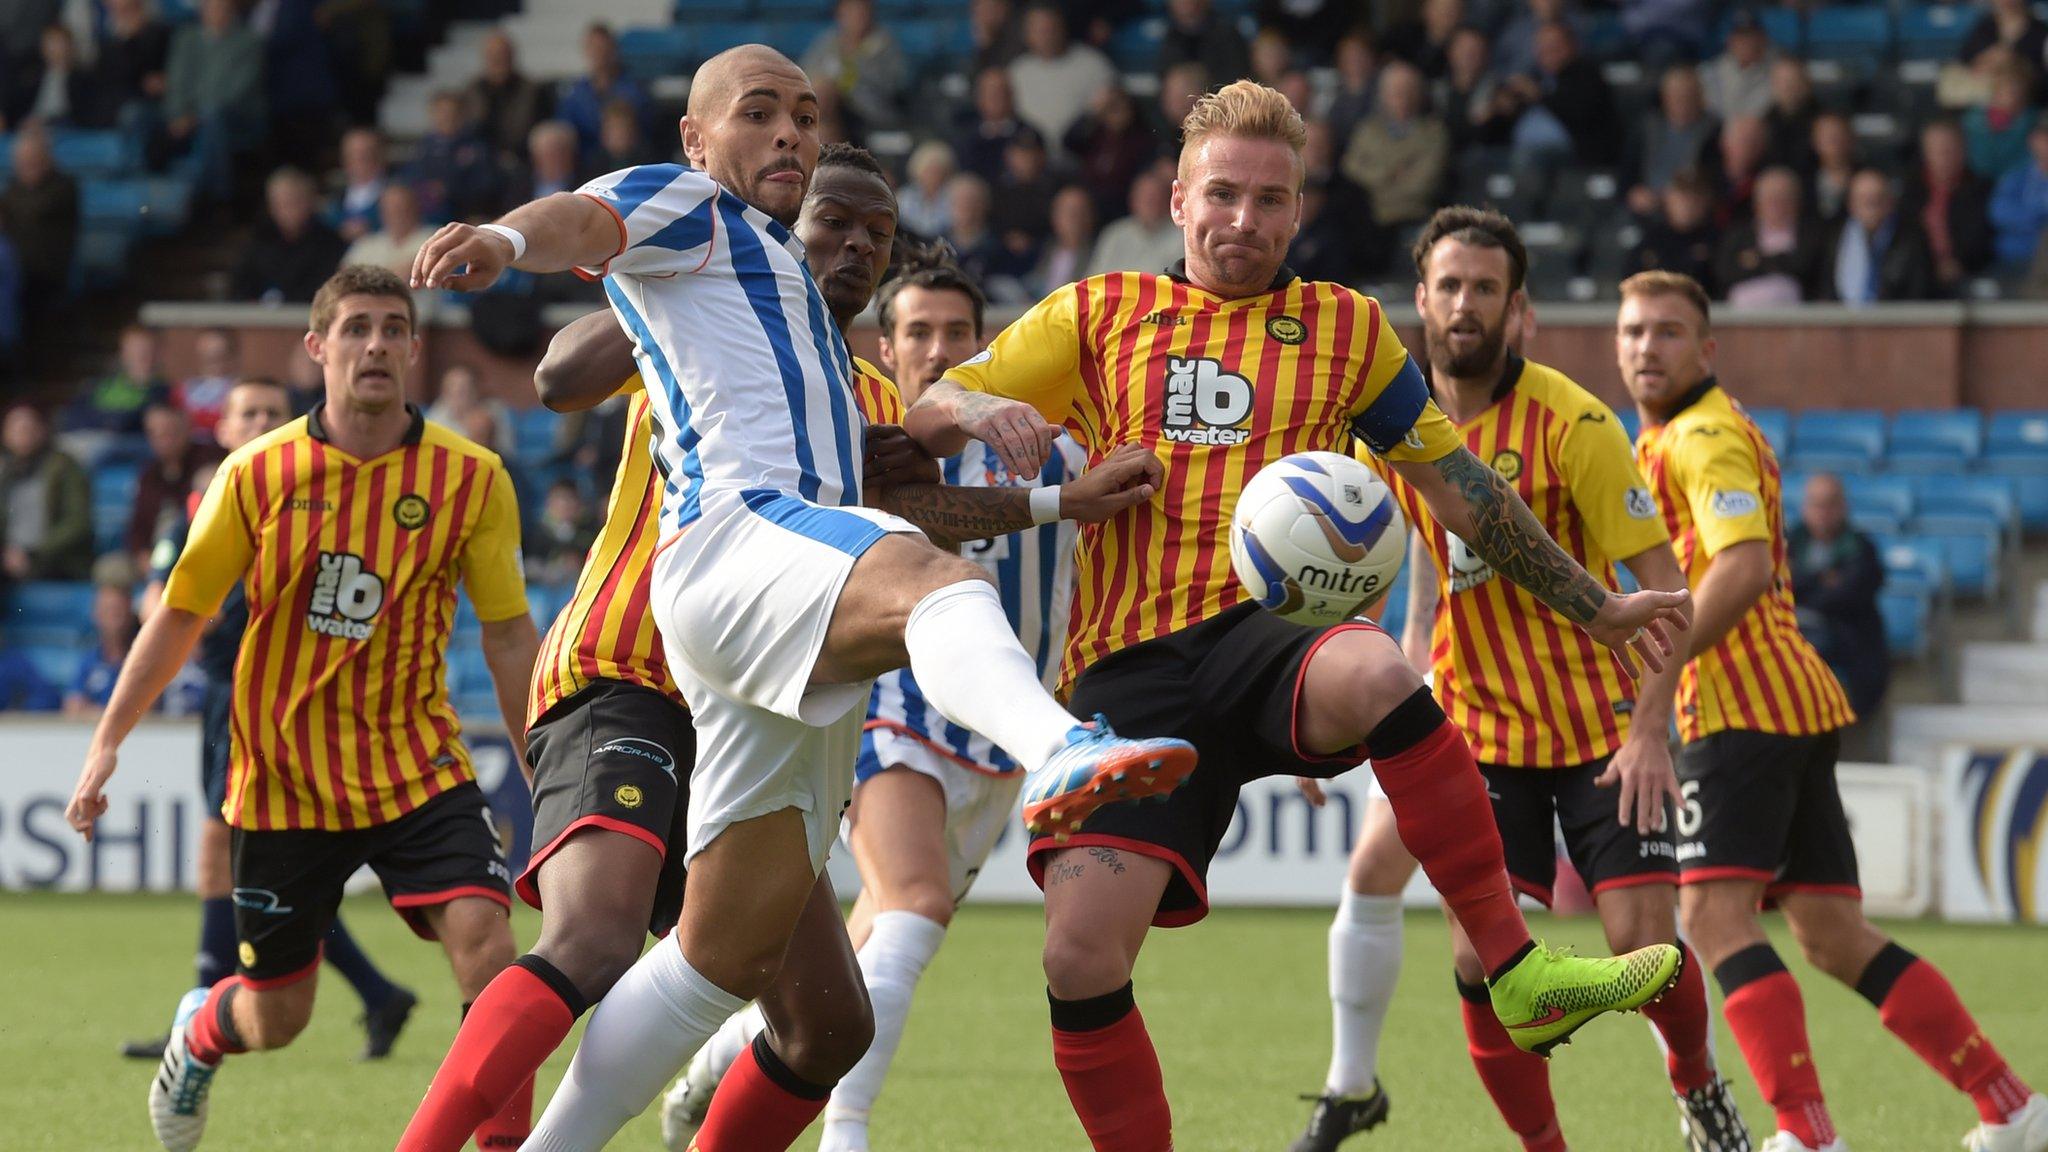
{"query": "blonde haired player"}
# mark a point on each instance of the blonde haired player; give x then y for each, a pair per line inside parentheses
(1219, 365)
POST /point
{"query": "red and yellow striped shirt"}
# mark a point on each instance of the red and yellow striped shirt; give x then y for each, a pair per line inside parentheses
(341, 716)
(1527, 686)
(1218, 388)
(605, 631)
(1717, 481)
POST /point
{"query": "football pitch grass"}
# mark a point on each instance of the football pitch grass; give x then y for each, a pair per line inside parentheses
(1236, 1005)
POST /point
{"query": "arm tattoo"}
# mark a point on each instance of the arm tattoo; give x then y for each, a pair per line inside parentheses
(953, 514)
(1506, 535)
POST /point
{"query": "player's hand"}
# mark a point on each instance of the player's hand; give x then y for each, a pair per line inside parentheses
(87, 802)
(1639, 626)
(461, 258)
(1312, 789)
(1021, 437)
(1642, 766)
(1128, 476)
(892, 457)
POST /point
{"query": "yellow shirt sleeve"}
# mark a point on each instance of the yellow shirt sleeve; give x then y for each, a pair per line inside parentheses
(490, 557)
(1599, 467)
(219, 548)
(1723, 483)
(1397, 419)
(1037, 359)
(879, 399)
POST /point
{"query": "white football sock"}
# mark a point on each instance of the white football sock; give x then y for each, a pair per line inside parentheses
(969, 664)
(645, 1027)
(1365, 964)
(715, 1059)
(892, 960)
(844, 1135)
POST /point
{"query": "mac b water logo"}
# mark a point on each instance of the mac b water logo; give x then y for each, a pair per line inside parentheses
(2006, 799)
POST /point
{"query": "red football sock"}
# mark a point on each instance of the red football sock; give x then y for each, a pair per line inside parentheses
(1442, 814)
(760, 1106)
(485, 1085)
(1518, 1081)
(210, 1034)
(1111, 1071)
(1919, 1005)
(1768, 1016)
(1681, 1018)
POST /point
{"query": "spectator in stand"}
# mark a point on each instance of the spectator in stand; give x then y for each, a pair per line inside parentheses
(1836, 575)
(2007, 31)
(134, 50)
(214, 105)
(461, 395)
(1997, 131)
(1344, 232)
(1735, 165)
(1022, 199)
(1427, 42)
(1771, 259)
(1877, 254)
(1673, 138)
(994, 28)
(561, 537)
(45, 503)
(303, 93)
(1738, 81)
(1109, 147)
(303, 381)
(1146, 240)
(291, 252)
(503, 103)
(2019, 205)
(620, 143)
(1682, 237)
(551, 165)
(115, 625)
(1358, 82)
(202, 395)
(39, 210)
(1179, 88)
(1668, 31)
(862, 60)
(1833, 165)
(1788, 119)
(1056, 79)
(1299, 90)
(402, 234)
(1400, 154)
(1953, 206)
(1270, 58)
(1514, 46)
(921, 202)
(1194, 31)
(59, 92)
(364, 174)
(114, 403)
(980, 146)
(1468, 96)
(1313, 27)
(452, 170)
(604, 81)
(1565, 108)
(1064, 257)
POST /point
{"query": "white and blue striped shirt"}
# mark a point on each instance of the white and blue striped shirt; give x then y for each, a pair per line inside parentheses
(749, 379)
(1034, 575)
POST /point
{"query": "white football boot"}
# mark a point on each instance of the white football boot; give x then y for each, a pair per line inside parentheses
(177, 1097)
(684, 1105)
(2024, 1131)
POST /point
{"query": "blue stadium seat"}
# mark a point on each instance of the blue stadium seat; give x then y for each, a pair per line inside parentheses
(1972, 559)
(1935, 441)
(113, 203)
(1912, 563)
(1780, 23)
(533, 433)
(102, 259)
(714, 9)
(793, 37)
(1135, 46)
(87, 154)
(790, 9)
(466, 622)
(707, 38)
(1934, 31)
(1872, 522)
(2017, 433)
(1892, 496)
(1849, 33)
(1851, 441)
(651, 52)
(49, 614)
(1905, 621)
(58, 665)
(169, 207)
(1776, 425)
(1945, 502)
(922, 40)
(1631, 420)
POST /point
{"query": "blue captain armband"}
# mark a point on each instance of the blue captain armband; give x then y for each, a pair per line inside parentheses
(1394, 411)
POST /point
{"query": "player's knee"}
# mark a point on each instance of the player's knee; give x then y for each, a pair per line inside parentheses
(1079, 966)
(1370, 684)
(1639, 922)
(929, 899)
(948, 569)
(827, 1043)
(592, 955)
(1381, 867)
(278, 1017)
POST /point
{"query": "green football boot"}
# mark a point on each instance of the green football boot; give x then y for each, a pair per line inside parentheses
(1550, 994)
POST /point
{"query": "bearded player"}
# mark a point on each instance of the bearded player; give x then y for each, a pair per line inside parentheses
(1224, 363)
(350, 529)
(1562, 736)
(1760, 715)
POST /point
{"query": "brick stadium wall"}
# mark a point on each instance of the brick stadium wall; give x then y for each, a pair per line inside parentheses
(1907, 356)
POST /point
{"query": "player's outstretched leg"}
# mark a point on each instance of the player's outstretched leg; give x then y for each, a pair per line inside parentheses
(1358, 691)
(210, 1025)
(215, 960)
(1764, 1009)
(908, 603)
(1918, 1005)
(1365, 965)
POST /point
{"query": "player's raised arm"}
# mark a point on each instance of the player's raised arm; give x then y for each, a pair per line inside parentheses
(584, 363)
(554, 234)
(954, 514)
(1013, 395)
